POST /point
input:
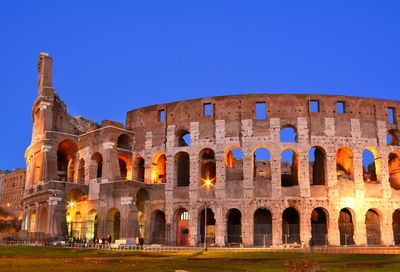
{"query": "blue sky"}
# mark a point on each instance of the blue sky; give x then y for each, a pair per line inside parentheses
(114, 56)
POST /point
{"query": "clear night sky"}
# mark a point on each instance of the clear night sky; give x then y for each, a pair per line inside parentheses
(110, 57)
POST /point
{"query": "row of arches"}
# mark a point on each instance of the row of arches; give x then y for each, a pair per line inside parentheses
(135, 170)
(262, 226)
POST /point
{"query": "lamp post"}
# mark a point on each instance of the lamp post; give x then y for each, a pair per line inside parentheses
(207, 183)
(205, 226)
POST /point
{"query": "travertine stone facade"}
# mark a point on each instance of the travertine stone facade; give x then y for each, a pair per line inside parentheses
(155, 175)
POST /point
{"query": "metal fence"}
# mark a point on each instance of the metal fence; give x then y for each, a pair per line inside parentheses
(263, 234)
(291, 234)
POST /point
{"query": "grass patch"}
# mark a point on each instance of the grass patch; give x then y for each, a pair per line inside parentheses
(26, 258)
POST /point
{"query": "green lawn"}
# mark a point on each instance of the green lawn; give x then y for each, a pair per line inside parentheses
(20, 258)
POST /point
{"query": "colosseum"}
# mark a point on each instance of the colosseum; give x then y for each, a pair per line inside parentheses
(249, 170)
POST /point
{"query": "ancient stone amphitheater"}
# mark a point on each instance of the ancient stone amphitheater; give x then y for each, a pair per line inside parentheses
(262, 169)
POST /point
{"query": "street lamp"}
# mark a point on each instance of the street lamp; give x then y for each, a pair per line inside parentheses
(206, 182)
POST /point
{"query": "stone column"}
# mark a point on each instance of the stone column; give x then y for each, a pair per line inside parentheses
(37, 208)
(110, 162)
(305, 226)
(220, 175)
(360, 231)
(304, 173)
(333, 228)
(247, 227)
(148, 157)
(194, 238)
(276, 174)
(220, 225)
(277, 227)
(102, 231)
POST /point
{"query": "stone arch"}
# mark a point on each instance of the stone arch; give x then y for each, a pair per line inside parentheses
(124, 142)
(138, 170)
(290, 226)
(317, 162)
(113, 223)
(81, 172)
(396, 226)
(262, 227)
(76, 226)
(43, 220)
(142, 198)
(234, 226)
(262, 163)
(159, 168)
(182, 166)
(393, 136)
(92, 225)
(346, 226)
(183, 137)
(319, 226)
(371, 164)
(182, 218)
(394, 169)
(373, 227)
(210, 225)
(158, 227)
(96, 166)
(344, 163)
(289, 167)
(288, 134)
(66, 157)
(207, 166)
(234, 163)
(125, 167)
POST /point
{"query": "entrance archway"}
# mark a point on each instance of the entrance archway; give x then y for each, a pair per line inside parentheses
(210, 226)
(262, 227)
(290, 226)
(234, 225)
(182, 230)
(319, 227)
(346, 227)
(396, 227)
(158, 228)
(373, 227)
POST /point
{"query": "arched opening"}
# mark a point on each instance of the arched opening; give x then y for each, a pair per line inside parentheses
(66, 156)
(159, 225)
(346, 227)
(76, 226)
(369, 166)
(96, 167)
(262, 227)
(290, 226)
(392, 137)
(183, 137)
(124, 142)
(234, 225)
(289, 168)
(142, 198)
(317, 162)
(182, 230)
(262, 164)
(288, 135)
(394, 170)
(182, 160)
(396, 227)
(92, 225)
(125, 167)
(210, 226)
(113, 223)
(344, 163)
(159, 168)
(81, 171)
(373, 227)
(234, 164)
(37, 168)
(138, 169)
(208, 166)
(43, 220)
(319, 229)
